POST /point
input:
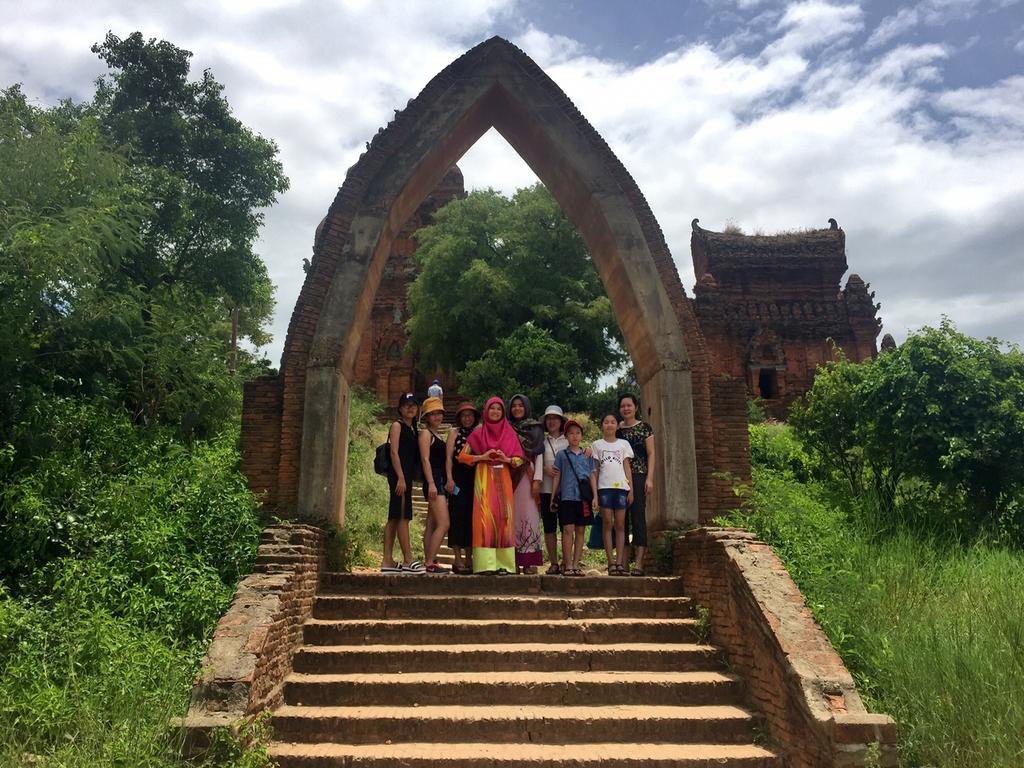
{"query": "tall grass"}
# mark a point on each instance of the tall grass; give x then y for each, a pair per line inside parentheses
(121, 551)
(933, 632)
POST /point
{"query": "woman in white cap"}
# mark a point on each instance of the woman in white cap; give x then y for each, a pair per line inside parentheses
(554, 441)
(432, 455)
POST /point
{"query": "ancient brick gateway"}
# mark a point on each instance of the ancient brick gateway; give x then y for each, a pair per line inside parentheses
(295, 425)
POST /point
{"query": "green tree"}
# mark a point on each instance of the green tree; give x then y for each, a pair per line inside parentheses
(126, 246)
(489, 265)
(529, 361)
(945, 410)
(207, 176)
(69, 218)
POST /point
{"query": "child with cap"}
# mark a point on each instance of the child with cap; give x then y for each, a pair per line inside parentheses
(573, 466)
(554, 441)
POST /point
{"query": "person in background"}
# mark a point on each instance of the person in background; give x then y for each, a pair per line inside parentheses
(404, 459)
(544, 476)
(526, 496)
(614, 491)
(434, 390)
(493, 450)
(573, 466)
(640, 437)
(432, 456)
(460, 489)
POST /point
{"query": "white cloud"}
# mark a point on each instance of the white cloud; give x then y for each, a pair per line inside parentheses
(925, 181)
(813, 23)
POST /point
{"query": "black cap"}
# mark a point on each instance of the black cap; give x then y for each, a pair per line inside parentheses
(408, 397)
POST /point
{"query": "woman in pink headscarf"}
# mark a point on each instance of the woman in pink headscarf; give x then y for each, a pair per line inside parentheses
(493, 449)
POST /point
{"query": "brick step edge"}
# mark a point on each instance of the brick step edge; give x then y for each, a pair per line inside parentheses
(522, 755)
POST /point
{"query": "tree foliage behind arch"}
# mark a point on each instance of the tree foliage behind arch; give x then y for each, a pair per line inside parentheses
(489, 265)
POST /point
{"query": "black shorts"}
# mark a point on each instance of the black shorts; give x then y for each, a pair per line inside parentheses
(547, 515)
(439, 483)
(571, 513)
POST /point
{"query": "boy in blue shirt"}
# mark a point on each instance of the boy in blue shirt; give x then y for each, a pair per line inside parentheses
(573, 467)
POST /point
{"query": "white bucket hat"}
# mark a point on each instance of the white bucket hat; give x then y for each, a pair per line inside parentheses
(554, 410)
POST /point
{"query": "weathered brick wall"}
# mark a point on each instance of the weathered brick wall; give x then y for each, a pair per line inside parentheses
(261, 436)
(732, 443)
(795, 677)
(251, 651)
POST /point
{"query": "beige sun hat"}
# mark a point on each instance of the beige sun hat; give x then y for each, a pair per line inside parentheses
(431, 405)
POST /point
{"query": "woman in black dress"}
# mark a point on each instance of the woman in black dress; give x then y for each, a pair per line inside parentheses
(404, 461)
(460, 489)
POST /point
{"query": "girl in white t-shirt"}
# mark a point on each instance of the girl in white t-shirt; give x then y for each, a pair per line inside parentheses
(614, 490)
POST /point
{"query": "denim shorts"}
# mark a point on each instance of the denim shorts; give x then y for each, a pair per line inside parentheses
(612, 498)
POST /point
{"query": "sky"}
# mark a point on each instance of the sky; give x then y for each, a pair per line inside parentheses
(904, 121)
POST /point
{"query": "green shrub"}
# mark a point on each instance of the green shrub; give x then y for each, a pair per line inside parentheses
(933, 632)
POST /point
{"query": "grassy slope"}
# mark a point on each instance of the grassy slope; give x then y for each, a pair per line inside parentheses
(933, 632)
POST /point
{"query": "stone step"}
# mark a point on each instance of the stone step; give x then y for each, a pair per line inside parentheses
(722, 724)
(506, 657)
(486, 607)
(479, 631)
(399, 584)
(514, 688)
(522, 755)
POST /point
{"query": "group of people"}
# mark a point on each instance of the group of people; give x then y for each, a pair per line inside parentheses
(503, 483)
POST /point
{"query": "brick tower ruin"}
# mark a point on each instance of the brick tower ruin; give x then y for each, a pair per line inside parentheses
(771, 308)
(383, 363)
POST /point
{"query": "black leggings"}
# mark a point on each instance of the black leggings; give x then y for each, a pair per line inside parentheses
(636, 513)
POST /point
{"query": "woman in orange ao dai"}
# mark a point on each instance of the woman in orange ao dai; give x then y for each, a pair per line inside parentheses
(493, 448)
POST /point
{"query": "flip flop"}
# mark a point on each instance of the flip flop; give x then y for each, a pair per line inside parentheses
(414, 567)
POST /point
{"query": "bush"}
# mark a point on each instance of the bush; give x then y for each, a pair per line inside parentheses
(943, 410)
(122, 549)
(932, 631)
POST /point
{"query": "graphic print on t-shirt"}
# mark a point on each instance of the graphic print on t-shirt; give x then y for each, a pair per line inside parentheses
(610, 457)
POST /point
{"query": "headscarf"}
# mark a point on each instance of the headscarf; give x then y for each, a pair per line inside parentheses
(494, 435)
(529, 430)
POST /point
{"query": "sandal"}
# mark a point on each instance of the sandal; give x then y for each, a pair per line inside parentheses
(554, 570)
(621, 572)
(574, 572)
(637, 571)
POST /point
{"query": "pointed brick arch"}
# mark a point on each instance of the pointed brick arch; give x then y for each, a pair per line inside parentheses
(493, 85)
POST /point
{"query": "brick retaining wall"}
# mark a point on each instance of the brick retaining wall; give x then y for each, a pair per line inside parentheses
(795, 677)
(250, 653)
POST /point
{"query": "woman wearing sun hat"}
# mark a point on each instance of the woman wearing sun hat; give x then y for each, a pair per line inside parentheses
(432, 455)
(460, 489)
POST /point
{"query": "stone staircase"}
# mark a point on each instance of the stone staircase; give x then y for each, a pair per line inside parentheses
(467, 672)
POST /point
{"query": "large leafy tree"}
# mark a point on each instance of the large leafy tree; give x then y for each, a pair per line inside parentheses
(489, 265)
(944, 409)
(127, 227)
(207, 176)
